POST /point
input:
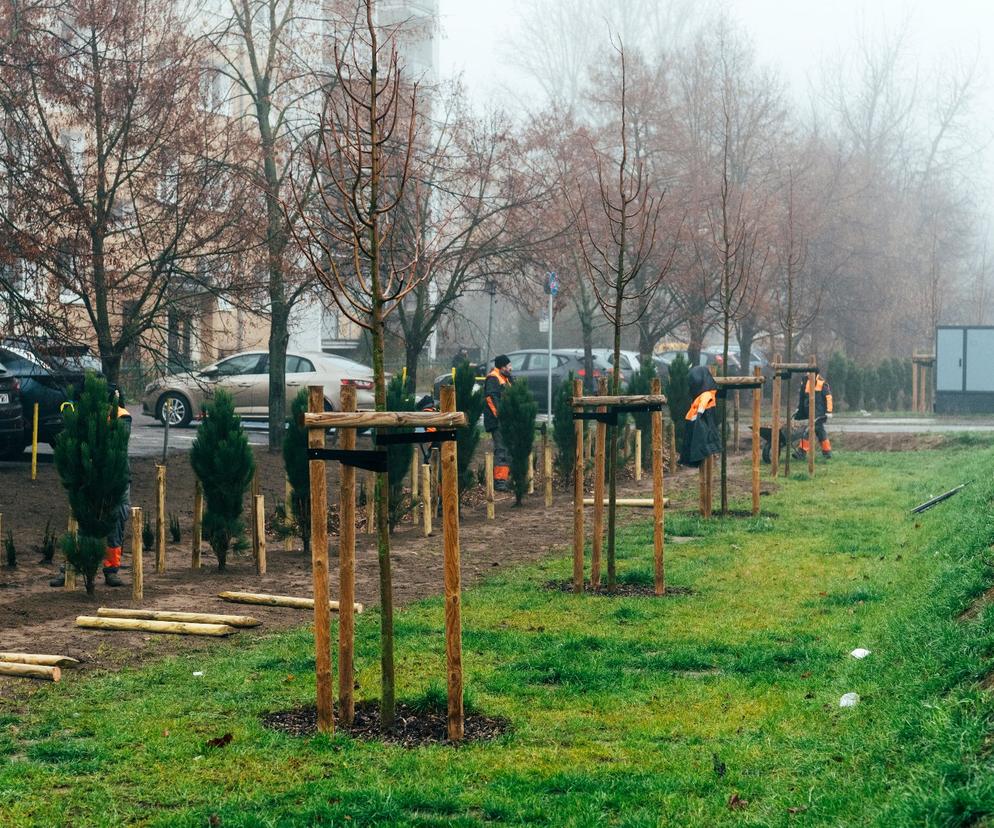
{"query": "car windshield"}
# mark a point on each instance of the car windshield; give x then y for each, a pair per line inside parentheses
(241, 364)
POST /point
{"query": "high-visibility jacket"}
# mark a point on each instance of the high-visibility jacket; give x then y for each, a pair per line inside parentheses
(493, 387)
(823, 398)
(703, 401)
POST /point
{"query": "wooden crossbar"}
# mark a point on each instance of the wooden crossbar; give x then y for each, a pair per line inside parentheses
(739, 382)
(632, 399)
(923, 359)
(385, 419)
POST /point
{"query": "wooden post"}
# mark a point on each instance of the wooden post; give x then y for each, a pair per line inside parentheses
(578, 533)
(288, 508)
(489, 471)
(70, 583)
(531, 472)
(436, 467)
(259, 517)
(757, 398)
(735, 421)
(638, 453)
(453, 613)
(198, 518)
(673, 455)
(657, 489)
(254, 533)
(708, 485)
(599, 461)
(775, 421)
(160, 525)
(415, 474)
(319, 567)
(371, 503)
(137, 563)
(426, 496)
(588, 443)
(812, 377)
(346, 566)
(915, 406)
(702, 490)
(34, 444)
(547, 473)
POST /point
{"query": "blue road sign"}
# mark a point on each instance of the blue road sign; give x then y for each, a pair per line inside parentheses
(552, 283)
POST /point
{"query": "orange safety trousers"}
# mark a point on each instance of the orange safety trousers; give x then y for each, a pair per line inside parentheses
(113, 557)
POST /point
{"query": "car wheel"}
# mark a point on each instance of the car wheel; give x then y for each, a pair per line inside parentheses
(179, 410)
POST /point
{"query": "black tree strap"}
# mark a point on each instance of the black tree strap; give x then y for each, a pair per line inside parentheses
(610, 417)
(375, 461)
(414, 437)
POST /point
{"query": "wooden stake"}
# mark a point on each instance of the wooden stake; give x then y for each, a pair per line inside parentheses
(70, 573)
(91, 622)
(436, 468)
(187, 617)
(426, 497)
(160, 524)
(39, 658)
(287, 601)
(288, 508)
(638, 453)
(531, 472)
(38, 671)
(578, 468)
(489, 471)
(319, 568)
(346, 567)
(547, 473)
(708, 485)
(775, 421)
(34, 444)
(599, 461)
(674, 457)
(371, 503)
(812, 377)
(415, 474)
(757, 398)
(453, 607)
(259, 516)
(198, 523)
(137, 556)
(735, 421)
(254, 525)
(657, 490)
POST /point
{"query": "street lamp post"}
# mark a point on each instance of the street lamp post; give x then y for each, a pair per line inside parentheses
(491, 288)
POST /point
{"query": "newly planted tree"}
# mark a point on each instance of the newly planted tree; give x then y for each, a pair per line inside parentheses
(518, 410)
(223, 462)
(91, 456)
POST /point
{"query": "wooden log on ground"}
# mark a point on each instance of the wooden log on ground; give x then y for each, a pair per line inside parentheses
(384, 419)
(42, 659)
(319, 569)
(346, 564)
(36, 671)
(578, 469)
(623, 399)
(634, 502)
(452, 578)
(160, 523)
(137, 557)
(288, 601)
(185, 617)
(92, 622)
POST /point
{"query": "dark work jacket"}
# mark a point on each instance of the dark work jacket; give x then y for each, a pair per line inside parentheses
(823, 399)
(492, 389)
(700, 434)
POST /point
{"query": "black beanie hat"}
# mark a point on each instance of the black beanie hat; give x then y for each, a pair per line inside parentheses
(501, 361)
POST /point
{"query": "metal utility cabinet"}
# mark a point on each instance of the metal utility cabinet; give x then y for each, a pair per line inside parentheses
(964, 369)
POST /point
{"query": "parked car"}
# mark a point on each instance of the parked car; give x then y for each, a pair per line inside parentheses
(11, 418)
(246, 377)
(532, 367)
(629, 362)
(49, 373)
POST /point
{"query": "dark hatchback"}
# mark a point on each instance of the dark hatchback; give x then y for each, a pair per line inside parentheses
(49, 374)
(11, 417)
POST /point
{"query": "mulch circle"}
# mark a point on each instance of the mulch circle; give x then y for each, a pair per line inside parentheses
(621, 590)
(412, 728)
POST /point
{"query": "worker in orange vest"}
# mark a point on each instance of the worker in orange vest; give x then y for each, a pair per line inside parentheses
(493, 387)
(823, 411)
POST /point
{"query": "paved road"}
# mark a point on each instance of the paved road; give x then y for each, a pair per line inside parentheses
(910, 425)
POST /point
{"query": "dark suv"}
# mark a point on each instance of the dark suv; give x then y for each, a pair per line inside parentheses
(11, 419)
(532, 368)
(49, 374)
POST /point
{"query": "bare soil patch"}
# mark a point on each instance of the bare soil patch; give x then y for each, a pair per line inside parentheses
(412, 727)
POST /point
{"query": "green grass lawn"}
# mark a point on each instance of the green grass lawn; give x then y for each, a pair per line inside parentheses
(633, 711)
